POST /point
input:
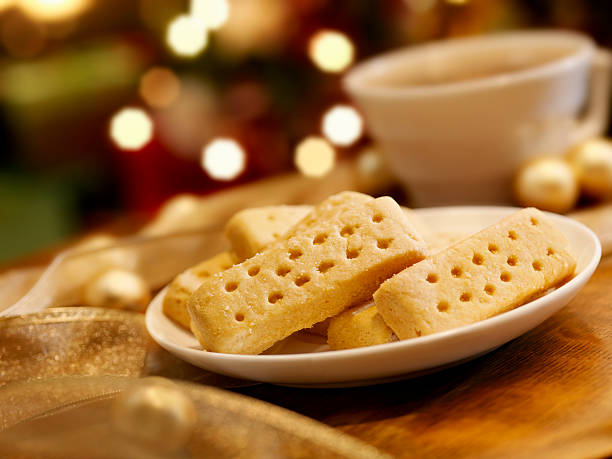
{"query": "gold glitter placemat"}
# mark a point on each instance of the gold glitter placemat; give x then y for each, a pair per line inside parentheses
(154, 417)
(87, 341)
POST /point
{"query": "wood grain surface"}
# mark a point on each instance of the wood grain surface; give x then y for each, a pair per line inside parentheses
(547, 394)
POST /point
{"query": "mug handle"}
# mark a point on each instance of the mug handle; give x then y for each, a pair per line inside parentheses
(596, 117)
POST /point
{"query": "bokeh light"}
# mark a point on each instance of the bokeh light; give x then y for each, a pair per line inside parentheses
(314, 157)
(53, 10)
(223, 159)
(131, 128)
(342, 125)
(259, 26)
(331, 51)
(186, 36)
(213, 13)
(159, 87)
(457, 2)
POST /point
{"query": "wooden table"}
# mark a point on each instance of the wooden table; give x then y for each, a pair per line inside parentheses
(547, 394)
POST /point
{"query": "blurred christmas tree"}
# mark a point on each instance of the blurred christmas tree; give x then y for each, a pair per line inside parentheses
(123, 104)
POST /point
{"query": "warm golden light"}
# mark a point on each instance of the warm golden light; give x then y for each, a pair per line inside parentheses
(6, 4)
(213, 13)
(342, 125)
(159, 87)
(457, 2)
(314, 157)
(186, 36)
(223, 159)
(255, 26)
(331, 51)
(131, 129)
(53, 10)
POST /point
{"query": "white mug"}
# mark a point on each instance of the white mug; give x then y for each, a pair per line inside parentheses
(456, 119)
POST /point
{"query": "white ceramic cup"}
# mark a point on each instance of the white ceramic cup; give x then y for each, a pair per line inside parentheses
(456, 119)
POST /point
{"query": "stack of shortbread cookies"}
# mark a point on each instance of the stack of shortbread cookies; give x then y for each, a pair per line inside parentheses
(364, 271)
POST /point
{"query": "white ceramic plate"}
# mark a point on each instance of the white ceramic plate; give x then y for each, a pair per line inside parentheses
(305, 361)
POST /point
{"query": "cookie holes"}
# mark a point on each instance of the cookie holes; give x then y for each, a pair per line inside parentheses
(302, 280)
(377, 218)
(352, 253)
(319, 239)
(512, 260)
(282, 271)
(443, 306)
(294, 254)
(534, 221)
(466, 296)
(505, 276)
(477, 259)
(347, 231)
(417, 332)
(493, 248)
(383, 243)
(325, 266)
(489, 289)
(432, 278)
(456, 271)
(239, 317)
(203, 273)
(275, 297)
(550, 251)
(512, 235)
(253, 271)
(231, 286)
(537, 265)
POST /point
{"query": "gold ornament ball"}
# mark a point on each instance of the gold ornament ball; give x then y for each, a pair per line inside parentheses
(593, 163)
(548, 184)
(180, 213)
(118, 289)
(155, 413)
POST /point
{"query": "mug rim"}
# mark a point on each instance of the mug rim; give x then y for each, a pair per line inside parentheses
(354, 84)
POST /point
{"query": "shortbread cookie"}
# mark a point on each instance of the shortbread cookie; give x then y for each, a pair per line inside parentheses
(363, 326)
(250, 230)
(358, 327)
(336, 257)
(437, 241)
(183, 286)
(493, 271)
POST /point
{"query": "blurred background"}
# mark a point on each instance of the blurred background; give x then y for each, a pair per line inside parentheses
(110, 107)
